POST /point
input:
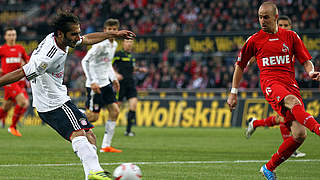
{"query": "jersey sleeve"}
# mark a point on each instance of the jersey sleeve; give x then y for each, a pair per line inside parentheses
(246, 53)
(94, 52)
(88, 61)
(39, 63)
(299, 49)
(25, 56)
(112, 74)
(34, 69)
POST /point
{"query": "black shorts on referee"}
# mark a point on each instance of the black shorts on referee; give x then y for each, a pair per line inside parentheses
(97, 101)
(66, 119)
(127, 89)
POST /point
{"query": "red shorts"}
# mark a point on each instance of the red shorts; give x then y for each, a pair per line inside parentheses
(12, 90)
(275, 91)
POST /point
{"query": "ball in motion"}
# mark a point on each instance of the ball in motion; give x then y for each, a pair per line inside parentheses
(127, 171)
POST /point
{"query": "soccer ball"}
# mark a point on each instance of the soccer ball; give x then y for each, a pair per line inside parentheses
(127, 171)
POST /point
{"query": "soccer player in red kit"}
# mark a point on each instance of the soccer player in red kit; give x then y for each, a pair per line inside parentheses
(13, 56)
(273, 48)
(284, 22)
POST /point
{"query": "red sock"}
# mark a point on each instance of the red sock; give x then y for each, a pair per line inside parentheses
(269, 121)
(305, 119)
(2, 113)
(18, 112)
(3, 116)
(285, 131)
(285, 150)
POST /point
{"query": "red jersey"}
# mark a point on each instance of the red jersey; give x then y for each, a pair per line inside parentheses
(12, 57)
(274, 54)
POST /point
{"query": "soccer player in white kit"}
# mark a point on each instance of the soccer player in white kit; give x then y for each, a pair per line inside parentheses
(45, 72)
(97, 66)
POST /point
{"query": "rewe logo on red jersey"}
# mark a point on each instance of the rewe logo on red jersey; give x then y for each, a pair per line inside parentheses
(13, 60)
(275, 60)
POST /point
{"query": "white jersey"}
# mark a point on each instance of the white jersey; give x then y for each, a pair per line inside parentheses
(97, 64)
(45, 72)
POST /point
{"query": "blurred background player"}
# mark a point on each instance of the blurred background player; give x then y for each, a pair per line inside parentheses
(97, 65)
(124, 64)
(284, 22)
(13, 56)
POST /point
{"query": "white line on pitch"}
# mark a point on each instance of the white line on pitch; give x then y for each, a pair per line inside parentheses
(151, 163)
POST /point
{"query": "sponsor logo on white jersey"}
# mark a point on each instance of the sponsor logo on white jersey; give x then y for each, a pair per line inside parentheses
(275, 60)
(58, 74)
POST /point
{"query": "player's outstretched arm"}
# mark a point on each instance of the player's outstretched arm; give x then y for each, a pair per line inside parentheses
(232, 99)
(309, 68)
(97, 37)
(11, 77)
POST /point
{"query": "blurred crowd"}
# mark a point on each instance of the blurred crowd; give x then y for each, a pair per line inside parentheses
(187, 71)
(157, 17)
(165, 17)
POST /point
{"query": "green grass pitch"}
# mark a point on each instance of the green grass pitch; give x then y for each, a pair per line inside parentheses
(161, 153)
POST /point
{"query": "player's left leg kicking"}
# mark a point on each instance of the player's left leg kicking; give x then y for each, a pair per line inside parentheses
(73, 125)
(270, 121)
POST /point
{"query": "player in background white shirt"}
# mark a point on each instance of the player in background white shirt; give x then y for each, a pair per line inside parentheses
(45, 71)
(97, 66)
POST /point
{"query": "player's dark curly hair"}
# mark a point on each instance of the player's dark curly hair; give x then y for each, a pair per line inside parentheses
(63, 22)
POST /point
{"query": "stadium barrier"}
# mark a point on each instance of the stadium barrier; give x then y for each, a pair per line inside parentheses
(217, 42)
(190, 109)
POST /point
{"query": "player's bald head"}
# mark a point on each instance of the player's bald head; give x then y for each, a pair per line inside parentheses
(269, 6)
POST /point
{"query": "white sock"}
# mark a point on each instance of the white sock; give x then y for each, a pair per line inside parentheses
(108, 134)
(87, 154)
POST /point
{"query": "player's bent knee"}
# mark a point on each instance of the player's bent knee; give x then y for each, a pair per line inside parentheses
(290, 101)
(300, 137)
(92, 138)
(114, 112)
(25, 104)
(77, 133)
(92, 116)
